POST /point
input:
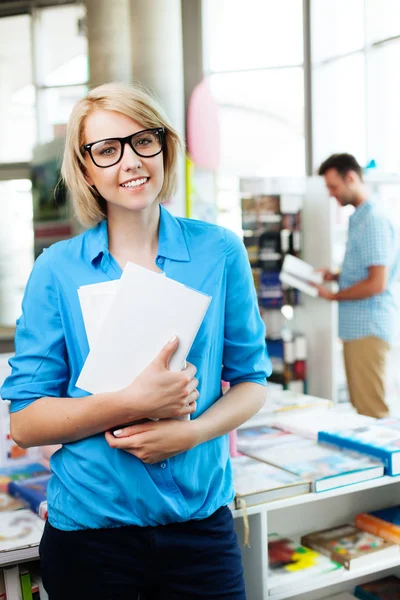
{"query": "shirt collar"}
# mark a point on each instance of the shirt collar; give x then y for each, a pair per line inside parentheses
(171, 240)
(360, 212)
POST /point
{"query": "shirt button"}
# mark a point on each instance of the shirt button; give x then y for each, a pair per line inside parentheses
(160, 260)
(163, 465)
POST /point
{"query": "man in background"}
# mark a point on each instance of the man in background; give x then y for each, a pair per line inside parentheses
(367, 306)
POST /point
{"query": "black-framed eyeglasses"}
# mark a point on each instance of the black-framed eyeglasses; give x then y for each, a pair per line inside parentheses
(108, 152)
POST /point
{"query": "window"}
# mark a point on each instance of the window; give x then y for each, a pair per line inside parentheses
(17, 108)
(255, 66)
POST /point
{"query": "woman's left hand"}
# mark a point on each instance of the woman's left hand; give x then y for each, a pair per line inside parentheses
(154, 441)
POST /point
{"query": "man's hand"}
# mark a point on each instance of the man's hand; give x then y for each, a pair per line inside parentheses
(327, 275)
(155, 441)
(323, 292)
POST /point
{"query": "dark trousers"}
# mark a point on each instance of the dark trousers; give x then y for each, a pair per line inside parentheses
(179, 561)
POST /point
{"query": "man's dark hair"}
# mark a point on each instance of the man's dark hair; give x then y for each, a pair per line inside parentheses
(343, 163)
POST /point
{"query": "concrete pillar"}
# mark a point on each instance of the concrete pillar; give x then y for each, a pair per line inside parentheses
(141, 40)
(109, 41)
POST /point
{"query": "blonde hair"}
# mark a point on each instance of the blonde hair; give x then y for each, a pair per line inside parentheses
(134, 101)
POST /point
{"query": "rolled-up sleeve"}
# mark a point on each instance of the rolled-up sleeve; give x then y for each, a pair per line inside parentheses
(39, 367)
(245, 356)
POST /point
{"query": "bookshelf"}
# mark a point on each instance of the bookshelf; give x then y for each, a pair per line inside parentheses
(298, 515)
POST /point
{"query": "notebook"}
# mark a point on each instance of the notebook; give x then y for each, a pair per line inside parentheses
(146, 312)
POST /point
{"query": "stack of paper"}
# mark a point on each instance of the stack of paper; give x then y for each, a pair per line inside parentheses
(300, 275)
(129, 321)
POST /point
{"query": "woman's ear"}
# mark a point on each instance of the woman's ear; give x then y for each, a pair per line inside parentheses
(88, 178)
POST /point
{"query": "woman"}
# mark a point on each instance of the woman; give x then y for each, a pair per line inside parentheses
(145, 505)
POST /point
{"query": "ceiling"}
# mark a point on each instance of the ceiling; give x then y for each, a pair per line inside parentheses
(10, 8)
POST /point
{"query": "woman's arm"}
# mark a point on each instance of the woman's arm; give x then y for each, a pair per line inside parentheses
(156, 441)
(156, 393)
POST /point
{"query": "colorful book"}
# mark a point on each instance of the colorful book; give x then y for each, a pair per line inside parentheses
(384, 522)
(26, 584)
(256, 482)
(33, 492)
(289, 562)
(350, 546)
(385, 588)
(253, 436)
(326, 466)
(19, 529)
(18, 473)
(377, 441)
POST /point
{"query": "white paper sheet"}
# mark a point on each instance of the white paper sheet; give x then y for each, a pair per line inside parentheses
(146, 312)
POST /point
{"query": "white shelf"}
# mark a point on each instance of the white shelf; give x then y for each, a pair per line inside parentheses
(312, 497)
(334, 578)
(19, 555)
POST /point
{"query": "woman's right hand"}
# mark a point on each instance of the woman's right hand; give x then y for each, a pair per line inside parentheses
(158, 393)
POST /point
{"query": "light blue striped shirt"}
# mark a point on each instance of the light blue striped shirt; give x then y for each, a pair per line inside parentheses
(94, 485)
(372, 241)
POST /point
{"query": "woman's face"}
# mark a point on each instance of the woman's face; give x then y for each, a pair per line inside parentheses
(134, 183)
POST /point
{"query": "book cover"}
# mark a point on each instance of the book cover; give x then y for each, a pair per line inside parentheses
(377, 441)
(350, 546)
(33, 492)
(308, 426)
(290, 562)
(384, 522)
(385, 588)
(19, 529)
(256, 482)
(26, 584)
(252, 436)
(7, 502)
(326, 466)
(18, 473)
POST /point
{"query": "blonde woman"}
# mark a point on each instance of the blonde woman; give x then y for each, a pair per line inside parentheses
(143, 507)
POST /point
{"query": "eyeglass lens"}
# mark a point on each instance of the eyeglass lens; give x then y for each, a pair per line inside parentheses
(144, 143)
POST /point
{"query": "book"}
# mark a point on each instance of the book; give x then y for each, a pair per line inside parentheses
(256, 482)
(300, 275)
(253, 436)
(350, 546)
(289, 562)
(7, 502)
(308, 426)
(326, 466)
(385, 588)
(343, 596)
(26, 584)
(33, 492)
(17, 473)
(282, 402)
(148, 309)
(19, 530)
(384, 522)
(377, 441)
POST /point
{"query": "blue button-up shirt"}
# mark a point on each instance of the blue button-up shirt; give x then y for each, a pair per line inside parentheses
(372, 241)
(94, 485)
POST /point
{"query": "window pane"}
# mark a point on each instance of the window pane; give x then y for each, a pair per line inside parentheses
(262, 123)
(337, 28)
(17, 116)
(257, 34)
(54, 106)
(16, 249)
(383, 107)
(339, 108)
(61, 45)
(382, 19)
